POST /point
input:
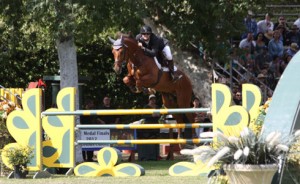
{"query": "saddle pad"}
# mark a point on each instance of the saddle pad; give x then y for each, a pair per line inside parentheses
(164, 69)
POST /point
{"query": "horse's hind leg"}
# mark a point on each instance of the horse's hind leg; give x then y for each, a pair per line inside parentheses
(184, 96)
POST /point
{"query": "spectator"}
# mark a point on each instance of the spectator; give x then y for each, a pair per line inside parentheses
(149, 151)
(297, 22)
(292, 50)
(293, 36)
(89, 104)
(250, 25)
(266, 92)
(200, 117)
(233, 56)
(265, 25)
(108, 119)
(261, 77)
(248, 43)
(275, 45)
(262, 60)
(281, 22)
(268, 36)
(260, 43)
(248, 74)
(196, 104)
(274, 71)
(152, 118)
(284, 63)
(283, 33)
(246, 58)
(237, 98)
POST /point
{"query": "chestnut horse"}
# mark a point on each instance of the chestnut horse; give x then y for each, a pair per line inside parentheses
(144, 73)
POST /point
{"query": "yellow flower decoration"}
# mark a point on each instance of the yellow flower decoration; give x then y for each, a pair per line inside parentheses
(197, 168)
(108, 158)
(257, 123)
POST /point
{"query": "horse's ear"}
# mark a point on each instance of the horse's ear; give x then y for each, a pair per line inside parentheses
(111, 40)
(130, 34)
(122, 38)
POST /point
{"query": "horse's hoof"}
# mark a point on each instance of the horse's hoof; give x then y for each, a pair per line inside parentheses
(145, 91)
(138, 90)
(151, 91)
(170, 156)
(133, 89)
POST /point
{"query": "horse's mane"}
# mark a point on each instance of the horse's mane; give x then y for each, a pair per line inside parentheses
(126, 35)
(128, 39)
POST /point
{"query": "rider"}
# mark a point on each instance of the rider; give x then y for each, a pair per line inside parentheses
(152, 45)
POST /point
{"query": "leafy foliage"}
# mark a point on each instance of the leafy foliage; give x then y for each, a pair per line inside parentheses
(6, 107)
(19, 155)
(29, 29)
(211, 23)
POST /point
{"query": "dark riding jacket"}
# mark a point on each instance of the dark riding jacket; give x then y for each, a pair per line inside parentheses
(156, 44)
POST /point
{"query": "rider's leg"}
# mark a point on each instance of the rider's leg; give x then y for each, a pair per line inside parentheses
(167, 53)
(174, 74)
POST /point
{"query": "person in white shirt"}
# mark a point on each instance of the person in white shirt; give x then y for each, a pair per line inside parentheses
(297, 22)
(265, 25)
(248, 42)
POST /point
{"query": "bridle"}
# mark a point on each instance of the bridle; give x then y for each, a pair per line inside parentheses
(123, 57)
(118, 44)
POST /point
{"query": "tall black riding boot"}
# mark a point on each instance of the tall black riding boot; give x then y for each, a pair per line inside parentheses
(175, 75)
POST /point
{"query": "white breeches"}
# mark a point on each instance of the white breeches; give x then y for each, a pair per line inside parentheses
(167, 52)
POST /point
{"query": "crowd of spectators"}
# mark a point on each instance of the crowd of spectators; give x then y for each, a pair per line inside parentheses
(263, 52)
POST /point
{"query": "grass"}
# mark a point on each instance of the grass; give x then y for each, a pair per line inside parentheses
(155, 172)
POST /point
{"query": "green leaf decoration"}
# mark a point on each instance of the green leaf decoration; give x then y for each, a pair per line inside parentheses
(64, 157)
(66, 102)
(233, 119)
(221, 100)
(55, 121)
(85, 169)
(178, 169)
(107, 156)
(31, 105)
(48, 151)
(20, 123)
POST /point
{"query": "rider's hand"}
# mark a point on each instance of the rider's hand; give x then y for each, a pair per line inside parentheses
(140, 44)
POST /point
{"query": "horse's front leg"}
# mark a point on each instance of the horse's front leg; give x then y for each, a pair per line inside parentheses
(138, 86)
(130, 82)
(145, 80)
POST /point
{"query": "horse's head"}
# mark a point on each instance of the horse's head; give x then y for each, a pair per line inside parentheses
(119, 52)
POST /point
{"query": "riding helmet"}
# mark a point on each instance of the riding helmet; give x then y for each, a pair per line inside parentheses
(146, 29)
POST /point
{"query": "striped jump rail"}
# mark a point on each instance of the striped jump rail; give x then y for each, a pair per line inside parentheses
(145, 126)
(125, 112)
(147, 141)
